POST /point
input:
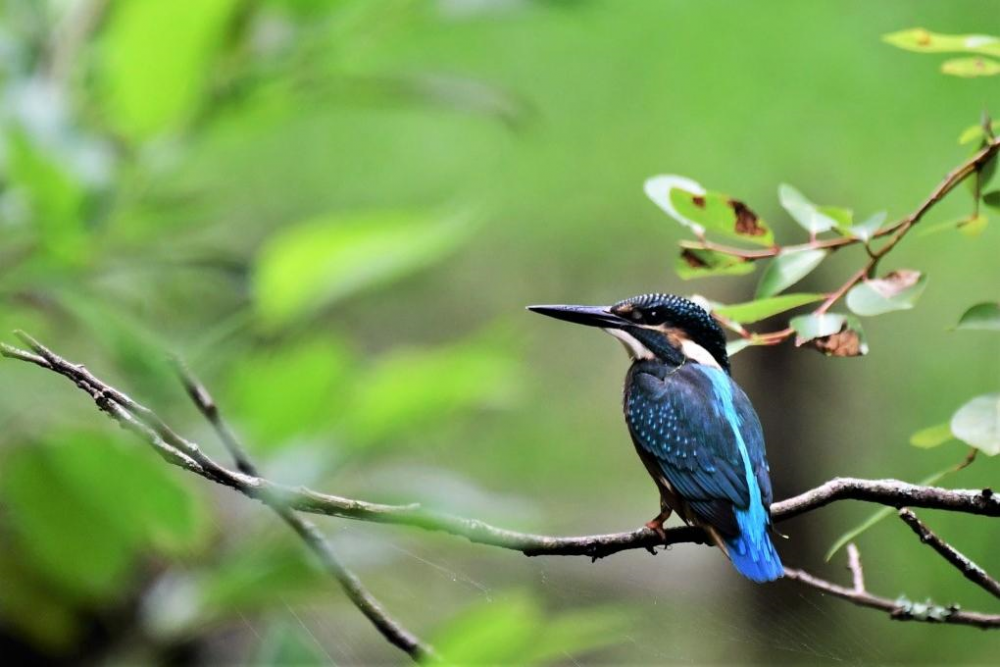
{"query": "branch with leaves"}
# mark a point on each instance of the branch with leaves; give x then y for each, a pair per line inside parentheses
(286, 501)
(834, 334)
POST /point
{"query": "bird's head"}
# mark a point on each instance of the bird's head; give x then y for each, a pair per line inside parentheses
(654, 326)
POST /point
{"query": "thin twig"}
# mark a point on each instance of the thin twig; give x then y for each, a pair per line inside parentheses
(899, 610)
(895, 232)
(962, 563)
(369, 605)
(183, 453)
(854, 565)
(890, 492)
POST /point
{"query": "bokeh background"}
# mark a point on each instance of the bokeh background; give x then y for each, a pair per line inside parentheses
(335, 211)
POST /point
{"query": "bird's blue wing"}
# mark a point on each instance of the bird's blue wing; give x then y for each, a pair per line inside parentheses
(753, 439)
(676, 418)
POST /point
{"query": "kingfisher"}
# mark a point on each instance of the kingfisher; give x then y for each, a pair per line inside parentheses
(693, 427)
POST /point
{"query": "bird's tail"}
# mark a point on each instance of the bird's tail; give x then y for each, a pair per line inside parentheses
(752, 552)
(755, 560)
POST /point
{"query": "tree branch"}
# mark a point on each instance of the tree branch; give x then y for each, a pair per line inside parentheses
(185, 454)
(854, 565)
(969, 570)
(894, 232)
(391, 629)
(899, 610)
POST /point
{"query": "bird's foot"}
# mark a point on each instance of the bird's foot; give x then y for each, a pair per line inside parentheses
(656, 525)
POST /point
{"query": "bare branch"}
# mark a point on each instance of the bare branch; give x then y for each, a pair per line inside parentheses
(180, 452)
(854, 565)
(893, 493)
(901, 609)
(962, 563)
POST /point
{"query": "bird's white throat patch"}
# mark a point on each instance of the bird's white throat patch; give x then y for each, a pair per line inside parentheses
(688, 347)
(635, 349)
(695, 352)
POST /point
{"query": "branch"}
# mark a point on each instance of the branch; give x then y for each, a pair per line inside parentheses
(854, 565)
(969, 570)
(894, 232)
(901, 609)
(395, 633)
(180, 452)
(890, 492)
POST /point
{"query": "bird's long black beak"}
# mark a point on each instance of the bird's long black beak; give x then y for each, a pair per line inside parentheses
(591, 316)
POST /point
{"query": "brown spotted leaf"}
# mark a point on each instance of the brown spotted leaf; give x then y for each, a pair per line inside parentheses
(698, 263)
(721, 214)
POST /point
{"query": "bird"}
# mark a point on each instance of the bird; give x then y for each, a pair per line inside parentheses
(693, 427)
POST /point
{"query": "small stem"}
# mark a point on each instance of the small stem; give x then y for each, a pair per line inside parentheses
(960, 561)
(854, 565)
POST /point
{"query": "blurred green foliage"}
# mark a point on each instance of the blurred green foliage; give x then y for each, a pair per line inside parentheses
(335, 211)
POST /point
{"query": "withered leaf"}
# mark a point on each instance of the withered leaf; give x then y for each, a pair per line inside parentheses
(845, 343)
(895, 282)
(747, 222)
(692, 259)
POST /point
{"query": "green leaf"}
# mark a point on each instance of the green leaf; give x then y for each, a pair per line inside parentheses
(865, 231)
(497, 632)
(577, 632)
(932, 436)
(992, 199)
(982, 316)
(974, 226)
(696, 263)
(736, 346)
(832, 334)
(809, 327)
(949, 225)
(286, 643)
(54, 196)
(157, 58)
(514, 630)
(788, 268)
(978, 423)
(284, 393)
(898, 290)
(970, 67)
(814, 219)
(924, 41)
(309, 266)
(722, 214)
(388, 403)
(754, 311)
(976, 132)
(84, 508)
(256, 578)
(852, 534)
(842, 217)
(659, 189)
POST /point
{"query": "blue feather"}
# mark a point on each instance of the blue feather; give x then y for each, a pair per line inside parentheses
(752, 552)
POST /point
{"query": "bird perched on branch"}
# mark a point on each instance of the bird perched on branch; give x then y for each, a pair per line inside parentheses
(692, 425)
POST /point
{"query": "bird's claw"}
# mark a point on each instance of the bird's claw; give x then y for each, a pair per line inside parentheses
(656, 525)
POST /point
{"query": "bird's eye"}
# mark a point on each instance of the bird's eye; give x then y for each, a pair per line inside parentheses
(652, 315)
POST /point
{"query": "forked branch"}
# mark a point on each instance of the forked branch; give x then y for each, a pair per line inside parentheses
(286, 500)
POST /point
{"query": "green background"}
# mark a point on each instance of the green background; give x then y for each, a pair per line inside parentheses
(435, 167)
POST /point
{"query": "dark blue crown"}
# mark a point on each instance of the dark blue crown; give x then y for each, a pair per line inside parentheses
(681, 313)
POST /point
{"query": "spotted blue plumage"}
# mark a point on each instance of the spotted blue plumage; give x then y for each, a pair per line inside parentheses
(700, 437)
(693, 427)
